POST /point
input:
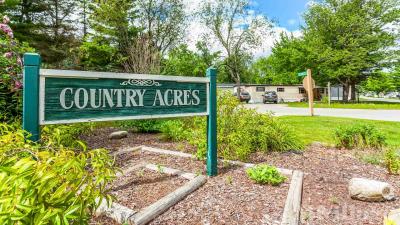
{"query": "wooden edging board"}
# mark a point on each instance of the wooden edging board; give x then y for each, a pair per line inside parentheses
(123, 214)
(291, 213)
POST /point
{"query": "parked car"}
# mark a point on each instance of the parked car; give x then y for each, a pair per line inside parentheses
(270, 96)
(244, 96)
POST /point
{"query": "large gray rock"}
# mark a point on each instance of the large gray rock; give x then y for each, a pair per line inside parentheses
(118, 135)
(370, 190)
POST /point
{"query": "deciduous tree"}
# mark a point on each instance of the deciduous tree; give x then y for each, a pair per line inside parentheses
(236, 28)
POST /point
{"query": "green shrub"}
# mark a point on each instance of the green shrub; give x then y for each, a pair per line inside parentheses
(174, 130)
(66, 135)
(392, 161)
(265, 174)
(98, 54)
(50, 184)
(144, 126)
(359, 136)
(242, 131)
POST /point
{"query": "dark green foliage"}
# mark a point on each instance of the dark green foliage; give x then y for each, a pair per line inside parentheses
(48, 183)
(360, 136)
(392, 161)
(265, 174)
(98, 54)
(46, 25)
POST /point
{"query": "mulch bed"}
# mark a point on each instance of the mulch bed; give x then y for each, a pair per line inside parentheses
(144, 187)
(325, 191)
(231, 198)
(102, 220)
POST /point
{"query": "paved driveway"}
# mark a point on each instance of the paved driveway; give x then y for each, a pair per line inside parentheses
(283, 110)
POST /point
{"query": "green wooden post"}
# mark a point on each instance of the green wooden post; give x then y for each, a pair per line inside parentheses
(31, 95)
(212, 124)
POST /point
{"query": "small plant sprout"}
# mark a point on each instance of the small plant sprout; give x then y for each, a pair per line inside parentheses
(265, 174)
(160, 168)
(229, 179)
(334, 200)
(140, 173)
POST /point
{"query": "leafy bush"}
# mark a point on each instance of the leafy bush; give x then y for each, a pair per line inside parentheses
(242, 131)
(174, 130)
(49, 184)
(392, 161)
(66, 135)
(265, 174)
(145, 126)
(10, 72)
(359, 136)
(98, 54)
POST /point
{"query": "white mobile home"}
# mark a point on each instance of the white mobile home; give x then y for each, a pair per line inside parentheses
(286, 93)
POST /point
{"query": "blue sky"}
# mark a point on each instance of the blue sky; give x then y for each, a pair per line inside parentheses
(286, 12)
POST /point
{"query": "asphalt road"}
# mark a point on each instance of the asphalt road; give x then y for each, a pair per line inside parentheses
(284, 110)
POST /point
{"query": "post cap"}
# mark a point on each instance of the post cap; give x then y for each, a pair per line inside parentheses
(211, 72)
(32, 59)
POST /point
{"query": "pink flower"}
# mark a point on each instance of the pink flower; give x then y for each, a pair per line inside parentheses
(18, 84)
(7, 30)
(6, 19)
(8, 55)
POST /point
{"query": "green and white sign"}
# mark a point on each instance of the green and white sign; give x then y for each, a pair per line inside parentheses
(66, 96)
(80, 96)
(302, 74)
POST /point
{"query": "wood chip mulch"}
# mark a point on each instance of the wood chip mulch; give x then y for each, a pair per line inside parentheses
(144, 187)
(229, 198)
(325, 196)
(325, 192)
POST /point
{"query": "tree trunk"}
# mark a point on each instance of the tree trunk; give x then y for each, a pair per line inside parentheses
(353, 92)
(346, 91)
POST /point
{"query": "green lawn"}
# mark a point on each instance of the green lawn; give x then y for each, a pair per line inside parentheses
(361, 105)
(321, 129)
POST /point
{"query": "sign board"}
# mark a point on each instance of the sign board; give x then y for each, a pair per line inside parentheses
(302, 74)
(81, 96)
(66, 96)
(305, 83)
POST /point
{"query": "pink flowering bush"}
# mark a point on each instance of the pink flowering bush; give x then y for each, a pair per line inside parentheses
(11, 64)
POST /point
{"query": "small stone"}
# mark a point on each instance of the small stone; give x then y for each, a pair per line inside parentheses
(118, 135)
